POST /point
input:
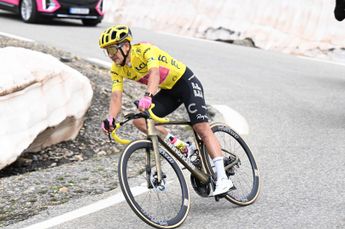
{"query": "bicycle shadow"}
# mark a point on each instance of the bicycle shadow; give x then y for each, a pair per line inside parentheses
(209, 204)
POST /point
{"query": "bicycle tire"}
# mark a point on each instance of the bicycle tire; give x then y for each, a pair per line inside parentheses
(171, 213)
(245, 174)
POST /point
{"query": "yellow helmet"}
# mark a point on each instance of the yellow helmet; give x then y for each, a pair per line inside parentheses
(115, 35)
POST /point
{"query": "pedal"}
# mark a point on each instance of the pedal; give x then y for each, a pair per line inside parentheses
(232, 188)
(231, 172)
(218, 197)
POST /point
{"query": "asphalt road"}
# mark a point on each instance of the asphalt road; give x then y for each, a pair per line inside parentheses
(295, 111)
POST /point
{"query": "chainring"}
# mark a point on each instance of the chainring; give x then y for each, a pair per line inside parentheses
(201, 189)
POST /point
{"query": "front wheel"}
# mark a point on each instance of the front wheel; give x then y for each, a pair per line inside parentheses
(162, 204)
(28, 11)
(240, 164)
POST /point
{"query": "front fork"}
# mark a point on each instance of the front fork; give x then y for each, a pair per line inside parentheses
(153, 135)
(148, 168)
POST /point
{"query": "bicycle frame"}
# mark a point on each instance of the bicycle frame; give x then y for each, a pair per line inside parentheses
(159, 158)
(152, 134)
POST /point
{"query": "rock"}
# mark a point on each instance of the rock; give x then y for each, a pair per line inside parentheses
(65, 58)
(102, 153)
(246, 42)
(24, 162)
(78, 158)
(29, 190)
(63, 189)
(42, 101)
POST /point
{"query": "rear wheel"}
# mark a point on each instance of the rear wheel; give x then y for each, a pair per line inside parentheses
(161, 205)
(240, 164)
(28, 11)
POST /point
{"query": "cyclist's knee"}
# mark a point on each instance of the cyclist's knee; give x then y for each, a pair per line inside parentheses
(140, 124)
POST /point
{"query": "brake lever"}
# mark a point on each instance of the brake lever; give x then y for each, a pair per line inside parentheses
(136, 103)
(146, 114)
(130, 116)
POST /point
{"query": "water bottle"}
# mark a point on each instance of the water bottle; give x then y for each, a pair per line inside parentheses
(180, 145)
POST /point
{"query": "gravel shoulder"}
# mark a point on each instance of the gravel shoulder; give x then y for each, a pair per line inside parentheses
(73, 169)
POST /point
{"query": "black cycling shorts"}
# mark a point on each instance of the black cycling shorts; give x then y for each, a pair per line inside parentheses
(187, 90)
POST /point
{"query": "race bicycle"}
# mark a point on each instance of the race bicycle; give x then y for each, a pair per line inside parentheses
(153, 183)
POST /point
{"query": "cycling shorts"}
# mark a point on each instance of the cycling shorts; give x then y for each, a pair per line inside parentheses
(187, 90)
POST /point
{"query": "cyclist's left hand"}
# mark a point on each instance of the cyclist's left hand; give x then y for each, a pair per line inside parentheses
(108, 124)
(145, 103)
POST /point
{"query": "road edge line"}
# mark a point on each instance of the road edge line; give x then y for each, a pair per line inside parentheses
(16, 37)
(100, 62)
(86, 210)
(233, 118)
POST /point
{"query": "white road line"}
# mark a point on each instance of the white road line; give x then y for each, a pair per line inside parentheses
(322, 60)
(97, 206)
(103, 63)
(16, 37)
(234, 119)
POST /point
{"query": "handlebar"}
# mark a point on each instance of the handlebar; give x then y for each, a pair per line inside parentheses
(155, 117)
(148, 114)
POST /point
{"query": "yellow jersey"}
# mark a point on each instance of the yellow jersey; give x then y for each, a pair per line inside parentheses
(145, 56)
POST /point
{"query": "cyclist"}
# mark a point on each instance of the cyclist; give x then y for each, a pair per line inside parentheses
(147, 64)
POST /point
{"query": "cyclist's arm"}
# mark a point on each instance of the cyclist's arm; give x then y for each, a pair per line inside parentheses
(153, 81)
(115, 103)
(151, 56)
(116, 92)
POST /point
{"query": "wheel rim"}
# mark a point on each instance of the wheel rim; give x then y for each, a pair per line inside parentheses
(26, 9)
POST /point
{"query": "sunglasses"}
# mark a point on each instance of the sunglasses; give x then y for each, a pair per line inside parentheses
(112, 50)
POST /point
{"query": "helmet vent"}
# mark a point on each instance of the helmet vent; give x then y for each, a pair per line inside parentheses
(113, 35)
(122, 35)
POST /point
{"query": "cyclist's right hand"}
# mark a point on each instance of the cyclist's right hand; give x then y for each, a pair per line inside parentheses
(108, 124)
(145, 103)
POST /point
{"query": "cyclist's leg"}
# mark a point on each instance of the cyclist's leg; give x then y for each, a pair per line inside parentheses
(165, 103)
(211, 142)
(193, 99)
(191, 92)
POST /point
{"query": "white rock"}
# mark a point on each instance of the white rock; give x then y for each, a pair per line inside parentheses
(42, 102)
